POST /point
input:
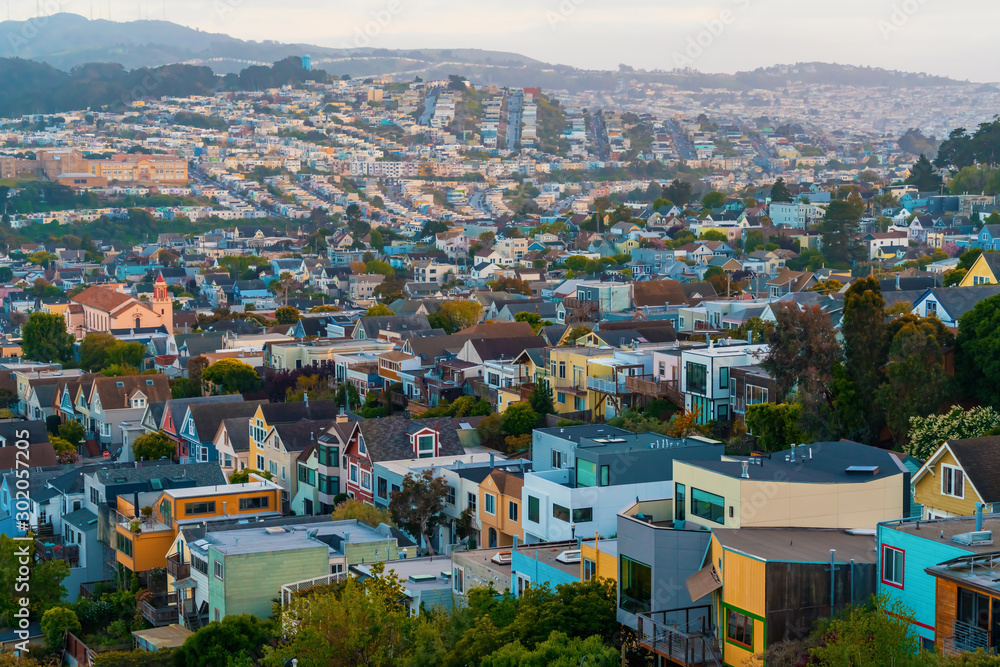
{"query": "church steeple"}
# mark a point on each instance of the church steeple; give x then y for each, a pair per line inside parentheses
(162, 303)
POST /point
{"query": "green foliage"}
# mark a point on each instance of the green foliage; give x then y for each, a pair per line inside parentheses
(929, 433)
(379, 310)
(56, 622)
(363, 512)
(557, 651)
(776, 425)
(72, 431)
(153, 447)
(873, 635)
(419, 504)
(519, 419)
(243, 476)
(978, 356)
(540, 398)
(161, 658)
(923, 176)
(93, 349)
(865, 349)
(44, 338)
(839, 230)
(287, 315)
(455, 315)
(44, 582)
(235, 636)
(234, 376)
(713, 200)
(780, 191)
(954, 277)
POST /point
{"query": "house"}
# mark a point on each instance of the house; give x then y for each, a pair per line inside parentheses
(878, 242)
(984, 271)
(112, 401)
(988, 238)
(500, 508)
(967, 600)
(960, 476)
(706, 375)
(790, 282)
(199, 423)
(948, 304)
(549, 564)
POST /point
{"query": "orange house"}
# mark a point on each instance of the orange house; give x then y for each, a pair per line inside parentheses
(143, 540)
(500, 509)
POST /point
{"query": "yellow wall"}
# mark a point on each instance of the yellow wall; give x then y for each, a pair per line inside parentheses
(500, 521)
(607, 564)
(742, 590)
(149, 549)
(763, 503)
(981, 270)
(927, 492)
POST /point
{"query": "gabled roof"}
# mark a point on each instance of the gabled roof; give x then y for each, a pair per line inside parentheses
(673, 292)
(117, 392)
(980, 461)
(207, 416)
(957, 301)
(103, 299)
(387, 439)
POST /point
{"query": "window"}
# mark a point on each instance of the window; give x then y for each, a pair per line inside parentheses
(605, 475)
(255, 503)
(561, 397)
(328, 455)
(952, 481)
(449, 496)
(636, 586)
(218, 570)
(562, 369)
(724, 378)
(473, 501)
(756, 395)
(307, 475)
(931, 308)
(586, 473)
(366, 480)
(425, 446)
(124, 545)
(192, 509)
(739, 629)
(533, 506)
(199, 564)
(557, 459)
(329, 485)
(973, 609)
(679, 502)
(260, 462)
(512, 511)
(980, 280)
(892, 566)
(382, 486)
(273, 466)
(708, 506)
(490, 503)
(589, 569)
(458, 580)
(354, 473)
(166, 510)
(583, 515)
(560, 512)
(696, 378)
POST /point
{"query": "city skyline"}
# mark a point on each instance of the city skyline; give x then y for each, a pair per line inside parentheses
(715, 36)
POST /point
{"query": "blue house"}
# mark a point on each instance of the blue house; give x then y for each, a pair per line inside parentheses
(544, 564)
(989, 238)
(906, 548)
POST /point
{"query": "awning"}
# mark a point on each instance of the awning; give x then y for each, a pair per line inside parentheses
(703, 582)
(182, 584)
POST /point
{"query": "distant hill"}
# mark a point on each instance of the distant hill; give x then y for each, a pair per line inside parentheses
(66, 41)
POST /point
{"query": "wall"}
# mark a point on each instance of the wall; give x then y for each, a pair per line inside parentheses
(743, 591)
(607, 563)
(927, 492)
(253, 580)
(525, 564)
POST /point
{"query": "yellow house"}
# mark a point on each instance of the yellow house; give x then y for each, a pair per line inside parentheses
(626, 246)
(824, 485)
(746, 577)
(55, 308)
(599, 558)
(500, 509)
(569, 368)
(958, 475)
(143, 540)
(985, 271)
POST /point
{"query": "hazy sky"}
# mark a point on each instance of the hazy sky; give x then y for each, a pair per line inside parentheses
(933, 36)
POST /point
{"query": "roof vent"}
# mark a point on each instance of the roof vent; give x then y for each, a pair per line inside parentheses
(569, 556)
(274, 530)
(862, 470)
(974, 539)
(502, 558)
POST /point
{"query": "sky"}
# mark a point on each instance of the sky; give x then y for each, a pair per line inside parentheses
(930, 36)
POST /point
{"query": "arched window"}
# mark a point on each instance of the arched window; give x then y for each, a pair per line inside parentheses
(138, 322)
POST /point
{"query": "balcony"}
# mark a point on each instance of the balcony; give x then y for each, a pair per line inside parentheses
(159, 610)
(647, 386)
(614, 387)
(578, 310)
(681, 636)
(53, 548)
(967, 638)
(177, 569)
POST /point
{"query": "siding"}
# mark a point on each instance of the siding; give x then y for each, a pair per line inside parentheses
(928, 492)
(253, 580)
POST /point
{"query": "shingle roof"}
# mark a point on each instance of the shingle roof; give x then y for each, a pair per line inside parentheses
(208, 416)
(980, 459)
(116, 392)
(957, 301)
(387, 439)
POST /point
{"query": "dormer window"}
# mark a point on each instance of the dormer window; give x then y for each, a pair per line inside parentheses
(425, 446)
(361, 446)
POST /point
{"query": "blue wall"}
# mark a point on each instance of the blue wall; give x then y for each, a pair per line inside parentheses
(523, 561)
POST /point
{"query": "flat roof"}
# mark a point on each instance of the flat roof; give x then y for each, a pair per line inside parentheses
(549, 552)
(818, 463)
(607, 546)
(943, 530)
(418, 567)
(220, 489)
(256, 539)
(808, 545)
(168, 636)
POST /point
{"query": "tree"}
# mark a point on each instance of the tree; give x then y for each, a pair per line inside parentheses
(93, 350)
(872, 635)
(65, 451)
(714, 235)
(512, 285)
(122, 353)
(540, 398)
(237, 636)
(929, 433)
(557, 651)
(6, 274)
(153, 447)
(418, 506)
(363, 512)
(196, 367)
(287, 315)
(780, 191)
(917, 383)
(233, 376)
(954, 277)
(839, 231)
(978, 354)
(776, 425)
(44, 581)
(923, 176)
(455, 315)
(56, 622)
(379, 310)
(72, 431)
(243, 476)
(576, 333)
(519, 419)
(377, 266)
(161, 658)
(713, 200)
(44, 338)
(865, 349)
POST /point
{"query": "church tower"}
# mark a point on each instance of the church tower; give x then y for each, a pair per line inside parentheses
(162, 304)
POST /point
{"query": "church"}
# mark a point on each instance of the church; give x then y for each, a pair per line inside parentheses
(107, 308)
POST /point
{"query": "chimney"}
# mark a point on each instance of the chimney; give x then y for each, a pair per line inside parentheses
(792, 458)
(746, 470)
(979, 516)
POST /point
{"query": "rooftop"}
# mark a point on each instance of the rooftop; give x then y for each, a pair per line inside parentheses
(943, 530)
(800, 545)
